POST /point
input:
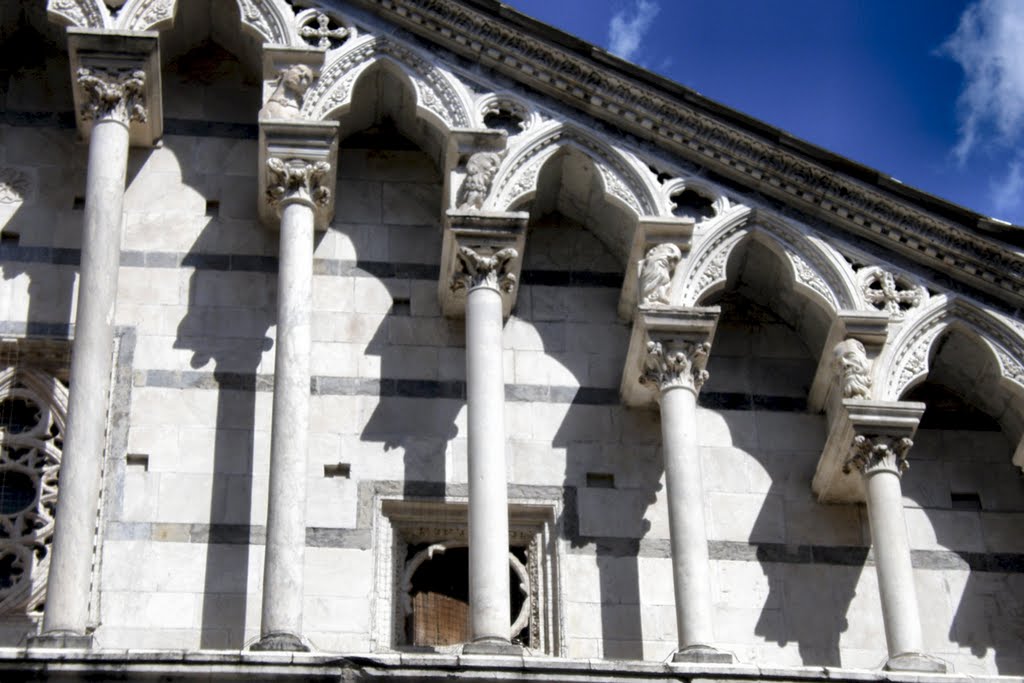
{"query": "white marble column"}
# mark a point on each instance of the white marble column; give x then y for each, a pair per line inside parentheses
(675, 368)
(296, 189)
(485, 278)
(882, 459)
(109, 99)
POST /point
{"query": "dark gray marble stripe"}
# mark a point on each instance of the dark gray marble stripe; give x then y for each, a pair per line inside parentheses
(446, 389)
(764, 553)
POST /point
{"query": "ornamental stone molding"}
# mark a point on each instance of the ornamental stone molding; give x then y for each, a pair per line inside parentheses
(480, 249)
(516, 181)
(298, 163)
(116, 77)
(134, 15)
(864, 437)
(904, 361)
(818, 271)
(440, 97)
(685, 124)
(668, 349)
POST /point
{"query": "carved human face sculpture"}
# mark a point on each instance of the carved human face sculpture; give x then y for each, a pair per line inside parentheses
(297, 79)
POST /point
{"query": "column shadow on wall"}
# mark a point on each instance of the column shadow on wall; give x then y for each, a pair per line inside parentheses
(235, 339)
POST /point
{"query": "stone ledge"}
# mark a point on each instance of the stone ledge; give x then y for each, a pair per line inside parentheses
(178, 665)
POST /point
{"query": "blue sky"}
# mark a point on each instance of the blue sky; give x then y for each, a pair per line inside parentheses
(930, 92)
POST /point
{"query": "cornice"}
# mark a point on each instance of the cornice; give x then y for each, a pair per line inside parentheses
(596, 83)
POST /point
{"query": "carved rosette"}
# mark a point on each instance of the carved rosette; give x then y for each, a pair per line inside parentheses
(477, 270)
(875, 453)
(296, 180)
(672, 364)
(112, 94)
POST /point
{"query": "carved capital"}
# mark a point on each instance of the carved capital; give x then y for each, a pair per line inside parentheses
(112, 94)
(297, 180)
(873, 453)
(478, 270)
(116, 77)
(676, 364)
(298, 161)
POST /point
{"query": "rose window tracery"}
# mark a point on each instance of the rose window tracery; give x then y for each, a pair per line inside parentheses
(31, 439)
(322, 31)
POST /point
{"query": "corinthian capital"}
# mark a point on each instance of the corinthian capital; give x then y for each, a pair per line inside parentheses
(676, 364)
(298, 180)
(477, 270)
(876, 453)
(112, 94)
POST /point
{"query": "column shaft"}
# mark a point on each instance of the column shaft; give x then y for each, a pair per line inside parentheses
(685, 493)
(490, 618)
(286, 514)
(67, 599)
(892, 562)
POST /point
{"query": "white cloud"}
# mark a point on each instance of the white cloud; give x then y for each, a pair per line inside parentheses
(1008, 191)
(628, 27)
(989, 46)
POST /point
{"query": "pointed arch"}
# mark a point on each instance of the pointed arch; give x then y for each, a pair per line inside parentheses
(80, 13)
(905, 359)
(147, 15)
(440, 99)
(816, 270)
(269, 21)
(516, 180)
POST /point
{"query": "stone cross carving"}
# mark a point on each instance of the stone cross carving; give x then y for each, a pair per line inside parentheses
(322, 34)
(111, 93)
(871, 453)
(286, 100)
(297, 179)
(851, 365)
(656, 270)
(476, 270)
(676, 364)
(891, 293)
(481, 169)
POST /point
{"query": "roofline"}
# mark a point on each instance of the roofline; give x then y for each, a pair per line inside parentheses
(933, 204)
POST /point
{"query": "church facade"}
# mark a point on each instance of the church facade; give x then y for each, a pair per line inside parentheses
(415, 339)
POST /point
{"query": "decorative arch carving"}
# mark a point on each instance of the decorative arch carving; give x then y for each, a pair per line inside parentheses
(270, 21)
(816, 269)
(720, 204)
(31, 450)
(516, 181)
(81, 13)
(438, 96)
(904, 362)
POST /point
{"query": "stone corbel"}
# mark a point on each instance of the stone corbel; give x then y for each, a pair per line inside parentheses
(677, 330)
(651, 232)
(838, 477)
(298, 162)
(481, 245)
(471, 162)
(115, 75)
(870, 329)
(277, 59)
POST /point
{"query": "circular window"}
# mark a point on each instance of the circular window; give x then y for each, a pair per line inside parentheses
(17, 492)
